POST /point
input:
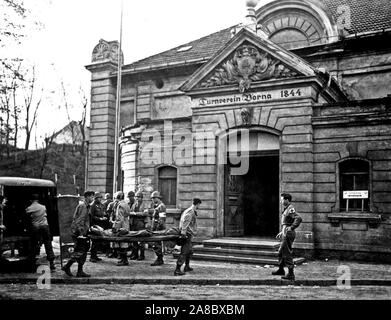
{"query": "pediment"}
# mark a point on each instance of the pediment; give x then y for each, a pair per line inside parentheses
(247, 59)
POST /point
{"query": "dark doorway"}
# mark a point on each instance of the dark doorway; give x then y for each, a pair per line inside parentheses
(252, 200)
(261, 197)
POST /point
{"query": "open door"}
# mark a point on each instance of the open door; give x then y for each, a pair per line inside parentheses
(233, 218)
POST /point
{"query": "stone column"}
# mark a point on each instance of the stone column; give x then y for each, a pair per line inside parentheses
(102, 116)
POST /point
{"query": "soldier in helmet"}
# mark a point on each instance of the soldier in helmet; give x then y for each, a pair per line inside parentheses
(138, 221)
(158, 221)
(98, 218)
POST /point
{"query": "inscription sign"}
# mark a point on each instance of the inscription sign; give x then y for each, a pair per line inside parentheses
(253, 97)
(355, 194)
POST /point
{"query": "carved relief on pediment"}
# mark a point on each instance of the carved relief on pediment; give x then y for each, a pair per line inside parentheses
(246, 65)
(105, 50)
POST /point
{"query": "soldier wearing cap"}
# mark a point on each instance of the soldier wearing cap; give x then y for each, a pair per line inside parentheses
(80, 226)
(290, 221)
(138, 221)
(158, 222)
(98, 218)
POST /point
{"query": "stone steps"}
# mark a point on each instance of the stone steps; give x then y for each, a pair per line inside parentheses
(239, 250)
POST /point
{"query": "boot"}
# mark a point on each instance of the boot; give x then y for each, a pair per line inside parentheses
(95, 259)
(134, 255)
(178, 271)
(52, 266)
(124, 260)
(81, 273)
(279, 272)
(290, 276)
(188, 268)
(142, 253)
(67, 268)
(158, 262)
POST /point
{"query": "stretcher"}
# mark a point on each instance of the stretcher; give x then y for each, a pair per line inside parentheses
(137, 236)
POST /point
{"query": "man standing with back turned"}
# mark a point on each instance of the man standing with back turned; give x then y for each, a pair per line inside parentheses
(80, 227)
(290, 221)
(188, 228)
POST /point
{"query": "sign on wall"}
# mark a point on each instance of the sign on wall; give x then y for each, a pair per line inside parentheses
(253, 97)
(355, 194)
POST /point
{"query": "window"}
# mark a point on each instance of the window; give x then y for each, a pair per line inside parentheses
(168, 185)
(354, 176)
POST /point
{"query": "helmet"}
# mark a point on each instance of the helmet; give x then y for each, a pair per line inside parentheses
(97, 195)
(139, 194)
(155, 194)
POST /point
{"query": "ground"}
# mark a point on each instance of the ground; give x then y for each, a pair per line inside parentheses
(190, 292)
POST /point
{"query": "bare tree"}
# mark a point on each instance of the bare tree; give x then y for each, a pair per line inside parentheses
(30, 107)
(82, 122)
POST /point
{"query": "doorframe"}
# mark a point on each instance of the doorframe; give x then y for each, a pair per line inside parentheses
(222, 160)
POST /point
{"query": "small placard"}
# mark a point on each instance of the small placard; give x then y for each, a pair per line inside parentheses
(355, 194)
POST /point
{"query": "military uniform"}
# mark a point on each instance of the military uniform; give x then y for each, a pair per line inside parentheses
(80, 226)
(158, 222)
(98, 218)
(138, 221)
(121, 223)
(291, 219)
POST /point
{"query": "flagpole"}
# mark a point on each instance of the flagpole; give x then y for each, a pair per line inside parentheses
(117, 109)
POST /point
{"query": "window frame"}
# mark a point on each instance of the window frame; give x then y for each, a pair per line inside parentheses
(338, 207)
(158, 179)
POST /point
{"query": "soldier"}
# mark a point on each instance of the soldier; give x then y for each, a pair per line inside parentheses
(130, 200)
(110, 212)
(290, 221)
(40, 229)
(188, 228)
(106, 202)
(98, 218)
(121, 224)
(138, 221)
(80, 226)
(158, 221)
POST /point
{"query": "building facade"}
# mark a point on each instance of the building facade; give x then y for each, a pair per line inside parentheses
(296, 99)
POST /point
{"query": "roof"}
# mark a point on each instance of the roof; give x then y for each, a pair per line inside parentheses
(203, 48)
(26, 182)
(366, 16)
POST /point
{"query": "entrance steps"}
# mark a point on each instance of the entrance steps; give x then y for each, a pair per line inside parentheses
(239, 250)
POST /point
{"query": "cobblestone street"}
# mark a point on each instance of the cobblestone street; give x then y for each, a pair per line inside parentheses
(190, 292)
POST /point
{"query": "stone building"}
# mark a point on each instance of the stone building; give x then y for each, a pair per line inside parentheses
(295, 99)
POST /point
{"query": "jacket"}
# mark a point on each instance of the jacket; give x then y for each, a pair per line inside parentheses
(81, 219)
(290, 218)
(37, 213)
(188, 222)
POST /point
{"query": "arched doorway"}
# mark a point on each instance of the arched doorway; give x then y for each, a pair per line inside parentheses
(251, 196)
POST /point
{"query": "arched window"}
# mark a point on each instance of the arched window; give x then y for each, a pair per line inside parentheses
(168, 185)
(354, 185)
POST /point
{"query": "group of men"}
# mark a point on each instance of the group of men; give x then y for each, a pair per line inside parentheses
(123, 216)
(133, 215)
